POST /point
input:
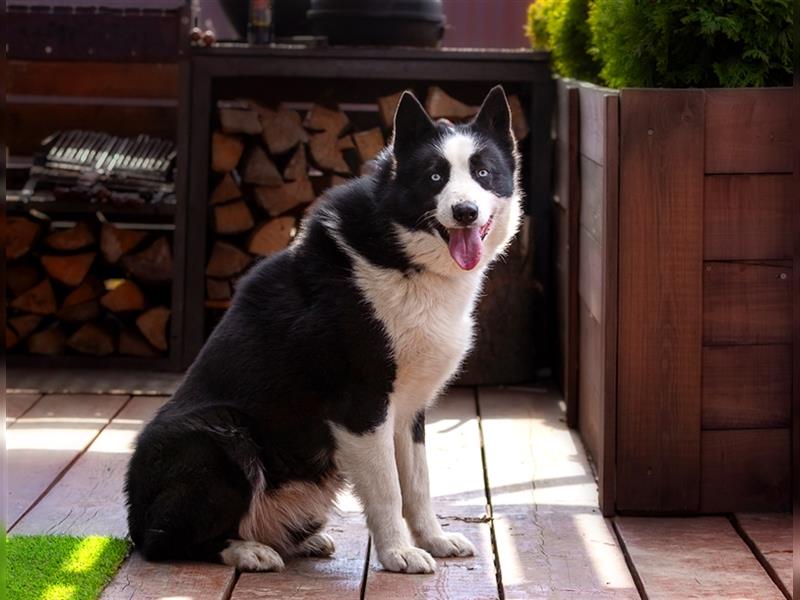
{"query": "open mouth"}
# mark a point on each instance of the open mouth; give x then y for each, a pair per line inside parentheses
(466, 243)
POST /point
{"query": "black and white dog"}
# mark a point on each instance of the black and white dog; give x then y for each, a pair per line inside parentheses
(322, 369)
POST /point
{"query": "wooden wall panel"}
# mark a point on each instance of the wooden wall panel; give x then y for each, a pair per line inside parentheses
(566, 214)
(749, 131)
(746, 470)
(105, 79)
(592, 197)
(660, 300)
(590, 384)
(747, 387)
(748, 217)
(747, 303)
(591, 283)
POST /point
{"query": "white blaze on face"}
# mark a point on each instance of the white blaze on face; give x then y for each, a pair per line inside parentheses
(465, 243)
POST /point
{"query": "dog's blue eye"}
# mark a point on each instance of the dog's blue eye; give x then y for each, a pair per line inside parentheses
(436, 177)
(483, 173)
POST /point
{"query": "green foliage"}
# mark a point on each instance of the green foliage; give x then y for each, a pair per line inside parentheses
(693, 43)
(46, 567)
(562, 27)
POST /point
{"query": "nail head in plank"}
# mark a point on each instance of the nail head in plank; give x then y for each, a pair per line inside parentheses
(89, 499)
(141, 580)
(772, 535)
(43, 442)
(694, 558)
(17, 404)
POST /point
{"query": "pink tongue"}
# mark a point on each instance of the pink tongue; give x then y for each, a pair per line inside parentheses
(466, 247)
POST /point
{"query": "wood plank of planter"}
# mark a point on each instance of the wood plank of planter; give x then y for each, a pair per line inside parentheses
(45, 441)
(592, 205)
(748, 217)
(17, 404)
(138, 579)
(771, 534)
(660, 300)
(552, 540)
(593, 121)
(746, 469)
(749, 131)
(747, 303)
(89, 499)
(452, 440)
(338, 576)
(746, 387)
(693, 558)
(590, 273)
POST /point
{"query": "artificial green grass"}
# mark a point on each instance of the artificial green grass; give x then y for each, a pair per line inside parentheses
(55, 567)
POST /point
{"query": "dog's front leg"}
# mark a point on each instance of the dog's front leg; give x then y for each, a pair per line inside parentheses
(412, 465)
(368, 462)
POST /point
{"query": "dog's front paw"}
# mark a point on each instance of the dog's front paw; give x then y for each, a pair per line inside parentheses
(319, 545)
(448, 544)
(251, 556)
(407, 559)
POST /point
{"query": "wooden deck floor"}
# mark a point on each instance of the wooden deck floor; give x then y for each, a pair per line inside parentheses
(505, 471)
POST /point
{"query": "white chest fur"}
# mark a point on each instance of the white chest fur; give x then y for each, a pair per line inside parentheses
(428, 320)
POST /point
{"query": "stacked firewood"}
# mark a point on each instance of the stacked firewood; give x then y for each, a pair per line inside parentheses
(271, 164)
(89, 288)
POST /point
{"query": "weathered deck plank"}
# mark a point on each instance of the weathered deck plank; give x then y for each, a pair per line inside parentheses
(552, 541)
(17, 404)
(89, 499)
(694, 558)
(142, 580)
(43, 442)
(772, 535)
(459, 498)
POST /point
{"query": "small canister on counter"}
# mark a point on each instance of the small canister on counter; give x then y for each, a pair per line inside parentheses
(259, 27)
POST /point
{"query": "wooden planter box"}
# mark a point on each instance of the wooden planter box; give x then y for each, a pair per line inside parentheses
(676, 218)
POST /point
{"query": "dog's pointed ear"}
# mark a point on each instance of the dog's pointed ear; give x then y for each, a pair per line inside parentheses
(411, 125)
(494, 116)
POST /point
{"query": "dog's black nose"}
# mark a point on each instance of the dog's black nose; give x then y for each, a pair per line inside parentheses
(465, 212)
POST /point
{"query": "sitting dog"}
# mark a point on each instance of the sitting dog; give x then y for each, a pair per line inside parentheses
(322, 368)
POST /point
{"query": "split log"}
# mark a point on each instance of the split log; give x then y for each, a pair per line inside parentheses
(387, 106)
(260, 170)
(322, 118)
(277, 200)
(21, 277)
(69, 270)
(116, 242)
(326, 154)
(519, 123)
(49, 342)
(345, 143)
(368, 143)
(91, 339)
(226, 150)
(297, 167)
(123, 297)
(233, 218)
(218, 304)
(153, 325)
(441, 106)
(218, 289)
(21, 233)
(11, 338)
(74, 238)
(226, 261)
(24, 325)
(39, 300)
(271, 237)
(226, 190)
(283, 129)
(81, 304)
(153, 265)
(237, 119)
(131, 343)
